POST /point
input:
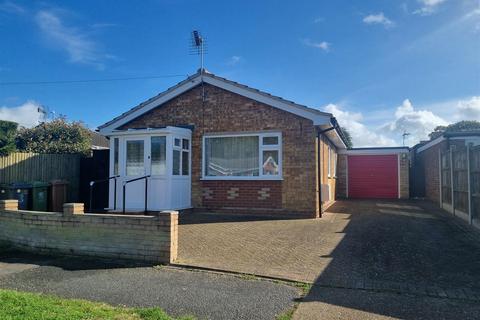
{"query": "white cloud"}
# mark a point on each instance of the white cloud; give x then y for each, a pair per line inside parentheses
(378, 18)
(79, 47)
(318, 20)
(468, 109)
(325, 46)
(418, 123)
(428, 7)
(234, 60)
(25, 115)
(362, 135)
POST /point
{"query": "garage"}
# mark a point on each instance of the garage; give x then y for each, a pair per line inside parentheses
(376, 173)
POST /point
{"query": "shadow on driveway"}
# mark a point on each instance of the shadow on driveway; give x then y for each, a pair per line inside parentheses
(400, 259)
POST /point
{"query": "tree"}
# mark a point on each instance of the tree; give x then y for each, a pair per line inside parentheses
(8, 130)
(57, 136)
(347, 138)
(461, 126)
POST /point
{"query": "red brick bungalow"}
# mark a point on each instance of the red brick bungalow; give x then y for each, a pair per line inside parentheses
(209, 143)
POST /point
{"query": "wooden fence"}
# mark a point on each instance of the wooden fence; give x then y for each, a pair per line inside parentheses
(25, 167)
(460, 182)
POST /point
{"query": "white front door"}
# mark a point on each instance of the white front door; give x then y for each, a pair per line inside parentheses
(136, 166)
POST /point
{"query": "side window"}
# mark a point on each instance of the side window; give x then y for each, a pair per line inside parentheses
(181, 157)
(115, 156)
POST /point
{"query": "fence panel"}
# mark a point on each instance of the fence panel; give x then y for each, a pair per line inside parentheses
(475, 183)
(24, 167)
(460, 179)
(446, 178)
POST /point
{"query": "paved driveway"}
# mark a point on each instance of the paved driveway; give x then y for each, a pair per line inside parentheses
(407, 246)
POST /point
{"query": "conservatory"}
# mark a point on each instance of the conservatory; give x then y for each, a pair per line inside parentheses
(150, 169)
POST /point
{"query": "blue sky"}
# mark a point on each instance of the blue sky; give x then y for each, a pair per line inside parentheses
(381, 67)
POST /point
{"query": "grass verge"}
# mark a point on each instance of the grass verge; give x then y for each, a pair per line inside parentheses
(16, 305)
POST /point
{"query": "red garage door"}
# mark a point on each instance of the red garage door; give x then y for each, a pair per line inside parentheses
(373, 176)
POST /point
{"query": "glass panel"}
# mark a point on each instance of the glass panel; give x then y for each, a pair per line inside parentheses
(270, 162)
(185, 144)
(185, 163)
(176, 162)
(269, 141)
(231, 156)
(135, 158)
(158, 152)
(176, 142)
(115, 156)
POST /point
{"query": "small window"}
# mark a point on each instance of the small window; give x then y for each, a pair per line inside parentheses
(115, 156)
(185, 163)
(176, 163)
(185, 144)
(176, 142)
(270, 141)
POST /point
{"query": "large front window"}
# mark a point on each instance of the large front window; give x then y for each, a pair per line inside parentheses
(243, 156)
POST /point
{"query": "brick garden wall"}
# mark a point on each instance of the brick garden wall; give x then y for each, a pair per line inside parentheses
(227, 112)
(143, 238)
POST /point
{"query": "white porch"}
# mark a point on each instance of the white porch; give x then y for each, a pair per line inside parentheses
(152, 169)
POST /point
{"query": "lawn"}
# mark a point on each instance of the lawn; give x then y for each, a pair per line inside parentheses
(32, 306)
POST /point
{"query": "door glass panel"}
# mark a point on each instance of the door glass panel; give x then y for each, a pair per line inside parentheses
(158, 151)
(135, 158)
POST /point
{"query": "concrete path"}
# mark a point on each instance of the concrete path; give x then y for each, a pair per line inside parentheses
(179, 292)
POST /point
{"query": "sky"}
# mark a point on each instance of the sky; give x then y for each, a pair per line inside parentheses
(382, 67)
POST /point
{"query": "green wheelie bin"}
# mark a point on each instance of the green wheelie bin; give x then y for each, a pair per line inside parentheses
(39, 196)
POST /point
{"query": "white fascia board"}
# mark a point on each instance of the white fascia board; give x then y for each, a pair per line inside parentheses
(149, 106)
(431, 144)
(318, 119)
(373, 151)
(166, 130)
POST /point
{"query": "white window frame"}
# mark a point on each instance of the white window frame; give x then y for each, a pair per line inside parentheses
(261, 148)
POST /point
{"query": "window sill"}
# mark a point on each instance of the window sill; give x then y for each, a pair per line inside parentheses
(241, 179)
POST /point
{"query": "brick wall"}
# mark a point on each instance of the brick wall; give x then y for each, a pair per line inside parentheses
(342, 177)
(404, 176)
(143, 238)
(242, 194)
(223, 112)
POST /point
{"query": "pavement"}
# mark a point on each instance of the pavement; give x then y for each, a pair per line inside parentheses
(178, 292)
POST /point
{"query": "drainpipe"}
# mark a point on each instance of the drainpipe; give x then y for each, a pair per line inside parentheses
(319, 164)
